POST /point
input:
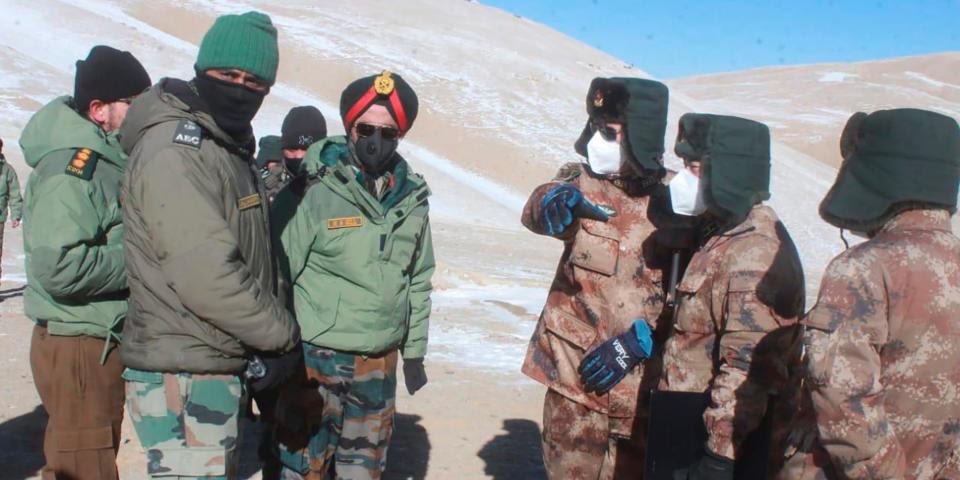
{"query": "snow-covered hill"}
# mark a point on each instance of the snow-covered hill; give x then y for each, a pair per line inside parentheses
(806, 106)
(501, 104)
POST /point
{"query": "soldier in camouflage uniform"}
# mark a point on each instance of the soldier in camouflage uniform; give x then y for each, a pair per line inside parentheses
(9, 198)
(734, 336)
(883, 340)
(198, 254)
(607, 291)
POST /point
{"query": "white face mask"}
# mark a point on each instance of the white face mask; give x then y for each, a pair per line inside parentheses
(603, 155)
(685, 195)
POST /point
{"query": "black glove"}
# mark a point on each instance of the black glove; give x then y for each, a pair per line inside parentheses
(710, 467)
(562, 204)
(414, 374)
(604, 367)
(274, 369)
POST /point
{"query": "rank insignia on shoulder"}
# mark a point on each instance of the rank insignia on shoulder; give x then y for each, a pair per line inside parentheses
(344, 222)
(83, 163)
(188, 133)
(568, 172)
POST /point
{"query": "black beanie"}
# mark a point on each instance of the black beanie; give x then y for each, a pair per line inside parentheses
(108, 75)
(302, 127)
(387, 89)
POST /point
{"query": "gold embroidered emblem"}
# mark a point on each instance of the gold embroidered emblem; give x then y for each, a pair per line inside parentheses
(249, 201)
(344, 222)
(383, 84)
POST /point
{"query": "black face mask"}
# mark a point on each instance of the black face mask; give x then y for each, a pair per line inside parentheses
(375, 153)
(292, 164)
(232, 106)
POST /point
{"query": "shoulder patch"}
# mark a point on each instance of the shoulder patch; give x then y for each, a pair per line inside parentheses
(83, 163)
(568, 172)
(188, 133)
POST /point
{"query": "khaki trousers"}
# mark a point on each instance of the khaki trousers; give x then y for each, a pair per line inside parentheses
(84, 401)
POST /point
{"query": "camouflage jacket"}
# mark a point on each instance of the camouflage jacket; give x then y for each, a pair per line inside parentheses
(608, 277)
(883, 352)
(735, 331)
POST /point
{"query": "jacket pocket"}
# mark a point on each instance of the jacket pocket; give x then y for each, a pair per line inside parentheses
(569, 328)
(320, 317)
(596, 248)
(146, 395)
(693, 306)
(747, 310)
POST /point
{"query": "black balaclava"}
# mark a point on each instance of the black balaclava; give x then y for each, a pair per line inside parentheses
(292, 164)
(231, 105)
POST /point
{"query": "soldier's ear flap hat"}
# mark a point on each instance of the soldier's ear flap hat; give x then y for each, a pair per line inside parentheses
(641, 106)
(387, 89)
(893, 159)
(735, 162)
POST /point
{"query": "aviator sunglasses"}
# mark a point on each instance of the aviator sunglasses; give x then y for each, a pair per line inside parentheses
(367, 130)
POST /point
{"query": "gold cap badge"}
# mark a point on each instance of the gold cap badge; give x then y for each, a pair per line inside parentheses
(598, 100)
(383, 84)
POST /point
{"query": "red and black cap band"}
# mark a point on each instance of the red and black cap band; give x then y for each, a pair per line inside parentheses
(360, 95)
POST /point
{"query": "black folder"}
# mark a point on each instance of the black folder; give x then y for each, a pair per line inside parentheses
(676, 436)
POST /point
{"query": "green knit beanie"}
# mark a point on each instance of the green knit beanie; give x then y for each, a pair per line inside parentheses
(246, 42)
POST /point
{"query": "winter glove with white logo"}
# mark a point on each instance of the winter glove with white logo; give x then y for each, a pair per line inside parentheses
(710, 467)
(604, 367)
(562, 204)
(414, 375)
(267, 371)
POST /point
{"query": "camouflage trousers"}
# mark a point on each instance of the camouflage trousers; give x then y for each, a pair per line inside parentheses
(187, 423)
(577, 444)
(335, 421)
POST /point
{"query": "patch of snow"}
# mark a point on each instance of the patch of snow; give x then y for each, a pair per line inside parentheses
(925, 79)
(832, 77)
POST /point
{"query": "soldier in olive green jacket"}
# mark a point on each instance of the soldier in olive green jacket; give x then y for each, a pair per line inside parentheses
(9, 197)
(76, 281)
(356, 249)
(197, 245)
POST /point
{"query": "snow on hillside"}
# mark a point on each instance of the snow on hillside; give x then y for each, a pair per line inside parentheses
(501, 104)
(806, 106)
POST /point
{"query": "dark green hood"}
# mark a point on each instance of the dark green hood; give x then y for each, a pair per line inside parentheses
(641, 105)
(57, 126)
(735, 162)
(893, 159)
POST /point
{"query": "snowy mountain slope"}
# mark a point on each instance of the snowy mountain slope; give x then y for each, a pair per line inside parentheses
(501, 104)
(806, 106)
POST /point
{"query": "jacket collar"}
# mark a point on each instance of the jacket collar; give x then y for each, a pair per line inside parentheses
(919, 219)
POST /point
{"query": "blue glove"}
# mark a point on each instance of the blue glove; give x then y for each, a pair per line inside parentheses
(604, 367)
(562, 204)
